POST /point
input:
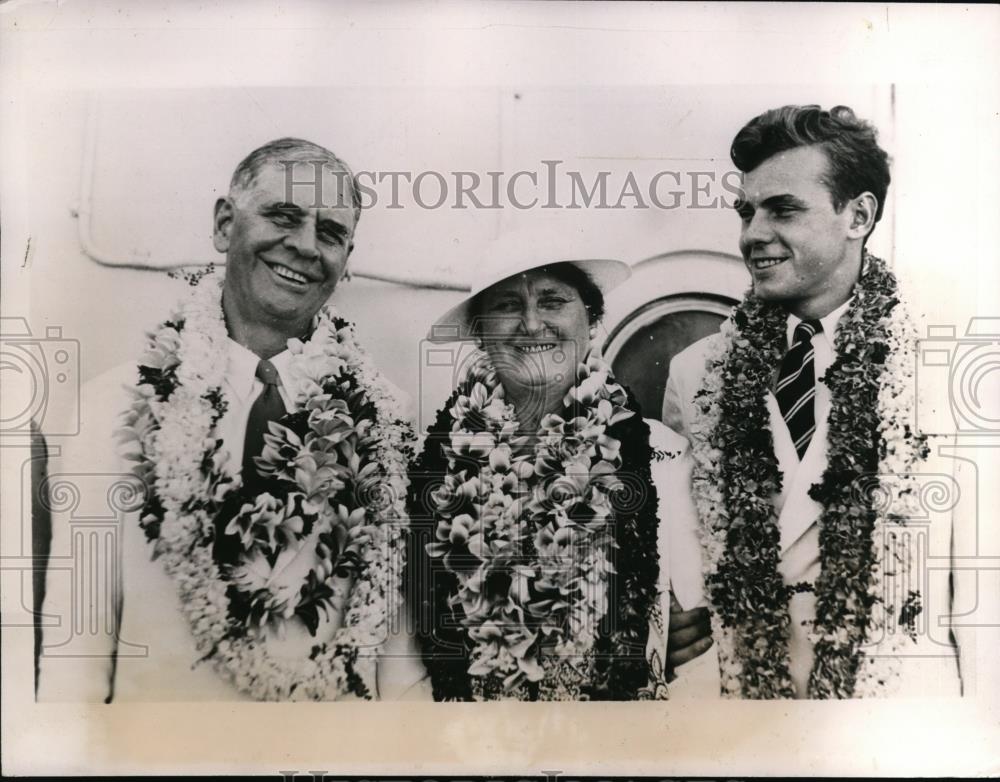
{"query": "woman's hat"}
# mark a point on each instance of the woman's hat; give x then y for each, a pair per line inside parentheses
(516, 252)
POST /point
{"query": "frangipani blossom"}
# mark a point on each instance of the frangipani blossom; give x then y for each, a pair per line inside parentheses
(547, 496)
(473, 445)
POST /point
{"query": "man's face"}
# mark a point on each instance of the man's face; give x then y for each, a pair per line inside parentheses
(285, 250)
(797, 247)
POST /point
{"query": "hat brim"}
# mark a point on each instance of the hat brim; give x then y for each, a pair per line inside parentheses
(455, 324)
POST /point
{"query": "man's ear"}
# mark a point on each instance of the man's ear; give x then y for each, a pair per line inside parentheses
(862, 211)
(346, 274)
(222, 224)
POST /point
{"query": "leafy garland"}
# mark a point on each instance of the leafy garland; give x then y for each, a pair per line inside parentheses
(872, 449)
(513, 543)
(329, 509)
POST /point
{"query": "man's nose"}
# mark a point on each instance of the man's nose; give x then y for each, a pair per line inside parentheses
(757, 231)
(302, 239)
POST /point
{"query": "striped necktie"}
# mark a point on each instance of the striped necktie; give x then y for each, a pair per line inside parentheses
(267, 407)
(796, 389)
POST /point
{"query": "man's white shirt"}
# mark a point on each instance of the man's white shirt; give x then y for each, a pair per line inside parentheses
(113, 623)
(242, 388)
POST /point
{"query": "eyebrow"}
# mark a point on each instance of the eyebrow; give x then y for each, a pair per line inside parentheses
(551, 291)
(781, 199)
(282, 206)
(501, 294)
(324, 223)
(334, 226)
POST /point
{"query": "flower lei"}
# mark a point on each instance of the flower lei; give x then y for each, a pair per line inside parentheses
(523, 540)
(333, 493)
(866, 490)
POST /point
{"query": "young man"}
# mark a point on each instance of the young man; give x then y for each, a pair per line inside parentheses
(256, 567)
(799, 414)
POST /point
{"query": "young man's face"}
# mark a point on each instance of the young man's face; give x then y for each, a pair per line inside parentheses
(799, 250)
(285, 251)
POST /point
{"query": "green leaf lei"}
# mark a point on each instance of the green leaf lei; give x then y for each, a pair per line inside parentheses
(736, 475)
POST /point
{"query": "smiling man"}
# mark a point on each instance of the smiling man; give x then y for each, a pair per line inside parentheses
(799, 415)
(800, 240)
(287, 230)
(272, 458)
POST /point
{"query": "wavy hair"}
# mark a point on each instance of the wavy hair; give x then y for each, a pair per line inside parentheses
(856, 162)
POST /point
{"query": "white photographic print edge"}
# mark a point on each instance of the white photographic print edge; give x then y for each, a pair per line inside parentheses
(121, 127)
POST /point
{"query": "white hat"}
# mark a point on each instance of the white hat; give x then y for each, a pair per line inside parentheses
(516, 252)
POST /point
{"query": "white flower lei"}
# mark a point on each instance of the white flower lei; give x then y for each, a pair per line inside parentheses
(186, 469)
(709, 501)
(579, 460)
(891, 494)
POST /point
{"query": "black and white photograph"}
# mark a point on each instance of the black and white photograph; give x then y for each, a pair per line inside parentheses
(384, 384)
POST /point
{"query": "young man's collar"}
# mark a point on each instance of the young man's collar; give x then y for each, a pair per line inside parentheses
(828, 322)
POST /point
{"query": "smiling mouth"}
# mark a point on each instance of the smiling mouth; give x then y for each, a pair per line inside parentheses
(537, 348)
(766, 263)
(287, 274)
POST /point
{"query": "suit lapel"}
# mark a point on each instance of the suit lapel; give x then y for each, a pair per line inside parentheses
(796, 510)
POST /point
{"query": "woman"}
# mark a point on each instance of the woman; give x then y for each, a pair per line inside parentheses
(535, 558)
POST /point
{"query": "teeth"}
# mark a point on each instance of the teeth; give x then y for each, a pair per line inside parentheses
(288, 274)
(765, 263)
(535, 348)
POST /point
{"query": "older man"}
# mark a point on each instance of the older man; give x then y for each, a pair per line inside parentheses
(804, 463)
(264, 560)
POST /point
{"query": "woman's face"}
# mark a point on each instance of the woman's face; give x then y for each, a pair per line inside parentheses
(536, 331)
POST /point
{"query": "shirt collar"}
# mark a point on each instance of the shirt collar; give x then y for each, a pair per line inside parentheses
(243, 369)
(828, 322)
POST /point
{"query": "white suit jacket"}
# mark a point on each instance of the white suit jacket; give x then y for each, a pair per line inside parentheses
(113, 628)
(929, 667)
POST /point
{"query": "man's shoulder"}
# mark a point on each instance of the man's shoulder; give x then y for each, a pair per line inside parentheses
(687, 373)
(692, 360)
(109, 392)
(105, 397)
(117, 378)
(93, 445)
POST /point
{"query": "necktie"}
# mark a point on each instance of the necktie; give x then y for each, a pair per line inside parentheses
(796, 387)
(268, 406)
